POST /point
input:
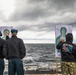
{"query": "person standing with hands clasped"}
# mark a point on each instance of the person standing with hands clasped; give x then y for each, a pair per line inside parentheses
(14, 50)
(1, 55)
(67, 58)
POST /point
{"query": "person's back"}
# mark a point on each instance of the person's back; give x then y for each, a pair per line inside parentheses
(67, 57)
(1, 55)
(67, 49)
(14, 50)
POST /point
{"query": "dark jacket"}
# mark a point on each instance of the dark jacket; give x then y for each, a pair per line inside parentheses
(67, 49)
(1, 48)
(14, 48)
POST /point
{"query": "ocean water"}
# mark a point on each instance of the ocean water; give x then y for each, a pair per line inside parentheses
(39, 54)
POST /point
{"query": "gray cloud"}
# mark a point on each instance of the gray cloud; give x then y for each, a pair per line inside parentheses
(73, 24)
(26, 27)
(33, 10)
(36, 1)
(42, 16)
(40, 27)
(57, 4)
(47, 27)
(36, 9)
(43, 27)
(62, 4)
(22, 27)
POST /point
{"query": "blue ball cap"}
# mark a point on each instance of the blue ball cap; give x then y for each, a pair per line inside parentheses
(14, 31)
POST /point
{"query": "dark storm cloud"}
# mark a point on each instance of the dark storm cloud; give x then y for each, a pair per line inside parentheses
(66, 5)
(62, 4)
(31, 13)
(35, 14)
(34, 11)
(56, 4)
(37, 9)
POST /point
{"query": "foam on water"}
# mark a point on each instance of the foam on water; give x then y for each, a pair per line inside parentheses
(39, 56)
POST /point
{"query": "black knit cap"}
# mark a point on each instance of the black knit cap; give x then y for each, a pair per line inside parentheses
(69, 37)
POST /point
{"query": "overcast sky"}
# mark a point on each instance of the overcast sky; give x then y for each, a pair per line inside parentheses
(36, 19)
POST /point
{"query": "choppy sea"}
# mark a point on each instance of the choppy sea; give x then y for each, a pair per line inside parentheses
(40, 54)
